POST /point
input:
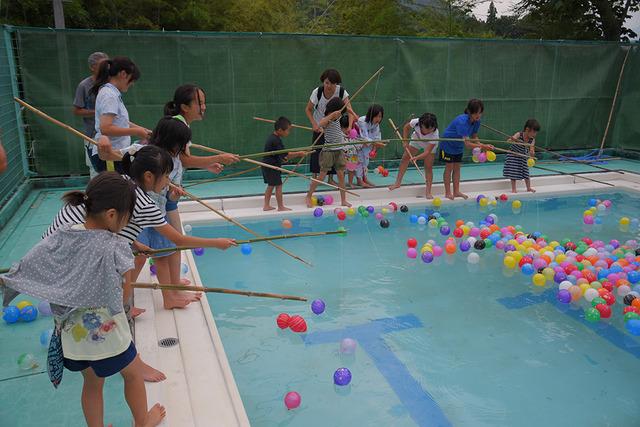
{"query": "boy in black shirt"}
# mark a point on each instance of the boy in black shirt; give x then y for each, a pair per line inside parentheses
(272, 177)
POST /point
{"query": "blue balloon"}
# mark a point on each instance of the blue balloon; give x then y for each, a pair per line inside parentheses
(318, 306)
(342, 376)
(184, 268)
(597, 221)
(633, 277)
(45, 337)
(11, 314)
(245, 248)
(528, 269)
(317, 212)
(29, 314)
(413, 218)
(593, 202)
(633, 326)
(198, 251)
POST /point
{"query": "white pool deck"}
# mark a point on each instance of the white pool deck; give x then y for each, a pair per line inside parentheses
(200, 389)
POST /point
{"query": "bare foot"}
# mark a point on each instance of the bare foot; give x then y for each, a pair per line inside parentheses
(459, 194)
(155, 416)
(394, 186)
(151, 375)
(283, 208)
(135, 312)
(428, 196)
(331, 181)
(268, 208)
(171, 302)
(514, 191)
(449, 196)
(531, 190)
(347, 204)
(307, 199)
(185, 281)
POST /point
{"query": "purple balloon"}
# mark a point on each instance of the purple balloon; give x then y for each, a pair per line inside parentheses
(560, 276)
(317, 212)
(318, 306)
(564, 296)
(153, 269)
(489, 220)
(445, 230)
(465, 246)
(342, 376)
(370, 209)
(198, 251)
(427, 257)
(44, 308)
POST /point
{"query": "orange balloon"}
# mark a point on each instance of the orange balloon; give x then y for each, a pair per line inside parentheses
(459, 223)
(494, 228)
(636, 303)
(450, 249)
(286, 223)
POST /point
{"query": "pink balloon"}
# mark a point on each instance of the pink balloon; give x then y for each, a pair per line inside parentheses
(353, 133)
(412, 252)
(328, 199)
(482, 157)
(292, 400)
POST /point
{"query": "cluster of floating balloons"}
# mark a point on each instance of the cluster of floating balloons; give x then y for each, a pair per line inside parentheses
(479, 156)
(24, 311)
(321, 200)
(364, 212)
(593, 215)
(381, 170)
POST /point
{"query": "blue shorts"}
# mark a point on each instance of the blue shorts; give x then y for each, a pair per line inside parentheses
(105, 367)
(155, 240)
(171, 205)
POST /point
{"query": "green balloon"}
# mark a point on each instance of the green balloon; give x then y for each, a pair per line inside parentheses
(580, 250)
(592, 315)
(343, 231)
(564, 241)
(365, 213)
(631, 315)
(596, 301)
(488, 243)
(580, 266)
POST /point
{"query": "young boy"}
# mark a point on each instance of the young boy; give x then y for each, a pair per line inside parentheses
(515, 167)
(333, 124)
(272, 177)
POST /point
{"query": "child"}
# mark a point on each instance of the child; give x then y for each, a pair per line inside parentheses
(115, 77)
(515, 167)
(424, 128)
(369, 126)
(80, 271)
(332, 157)
(465, 127)
(272, 177)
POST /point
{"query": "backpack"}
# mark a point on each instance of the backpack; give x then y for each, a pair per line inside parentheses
(321, 92)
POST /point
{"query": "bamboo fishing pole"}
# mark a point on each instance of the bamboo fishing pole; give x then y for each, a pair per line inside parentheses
(350, 100)
(406, 150)
(191, 196)
(292, 125)
(155, 286)
(220, 178)
(4, 270)
(311, 147)
(241, 242)
(267, 165)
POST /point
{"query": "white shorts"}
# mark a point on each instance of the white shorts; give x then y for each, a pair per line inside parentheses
(422, 145)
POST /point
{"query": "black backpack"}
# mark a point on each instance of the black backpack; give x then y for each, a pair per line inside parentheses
(321, 92)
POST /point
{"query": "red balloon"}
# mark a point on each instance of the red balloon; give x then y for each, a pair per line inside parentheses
(525, 260)
(385, 173)
(504, 197)
(283, 320)
(484, 233)
(394, 206)
(587, 240)
(412, 243)
(608, 286)
(297, 324)
(609, 298)
(629, 308)
(579, 258)
(605, 310)
(342, 216)
(588, 274)
(458, 232)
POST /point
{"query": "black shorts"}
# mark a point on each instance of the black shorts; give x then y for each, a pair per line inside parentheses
(450, 158)
(271, 177)
(105, 367)
(314, 161)
(100, 165)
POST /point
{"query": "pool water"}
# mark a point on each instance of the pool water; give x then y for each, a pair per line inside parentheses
(445, 343)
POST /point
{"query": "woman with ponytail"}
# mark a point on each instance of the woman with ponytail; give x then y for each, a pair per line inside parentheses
(115, 77)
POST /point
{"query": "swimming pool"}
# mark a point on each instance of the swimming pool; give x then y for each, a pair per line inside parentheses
(444, 343)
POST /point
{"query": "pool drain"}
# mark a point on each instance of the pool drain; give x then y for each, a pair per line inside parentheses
(168, 342)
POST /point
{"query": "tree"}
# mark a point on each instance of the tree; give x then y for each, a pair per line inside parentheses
(579, 19)
(492, 16)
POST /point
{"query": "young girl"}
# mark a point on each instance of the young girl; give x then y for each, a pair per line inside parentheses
(80, 270)
(515, 167)
(465, 127)
(425, 128)
(316, 111)
(115, 77)
(369, 127)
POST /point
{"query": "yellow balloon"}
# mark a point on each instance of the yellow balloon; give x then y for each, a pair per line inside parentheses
(474, 158)
(491, 156)
(584, 287)
(531, 162)
(587, 213)
(351, 211)
(561, 258)
(553, 244)
(465, 230)
(539, 279)
(483, 202)
(516, 204)
(314, 201)
(549, 273)
(23, 304)
(509, 262)
(624, 221)
(437, 202)
(385, 211)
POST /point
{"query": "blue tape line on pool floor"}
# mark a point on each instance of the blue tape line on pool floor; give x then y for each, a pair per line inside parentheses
(605, 330)
(422, 408)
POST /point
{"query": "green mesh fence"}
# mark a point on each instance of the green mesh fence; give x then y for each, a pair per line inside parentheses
(9, 127)
(568, 87)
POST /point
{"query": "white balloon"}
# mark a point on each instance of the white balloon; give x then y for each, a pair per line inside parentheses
(473, 258)
(565, 285)
(187, 228)
(590, 294)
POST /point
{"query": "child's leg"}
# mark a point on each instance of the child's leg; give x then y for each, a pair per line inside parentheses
(527, 181)
(267, 198)
(351, 175)
(171, 299)
(404, 163)
(428, 173)
(343, 193)
(173, 217)
(138, 262)
(456, 181)
(280, 199)
(364, 170)
(312, 188)
(446, 178)
(136, 396)
(514, 185)
(92, 400)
